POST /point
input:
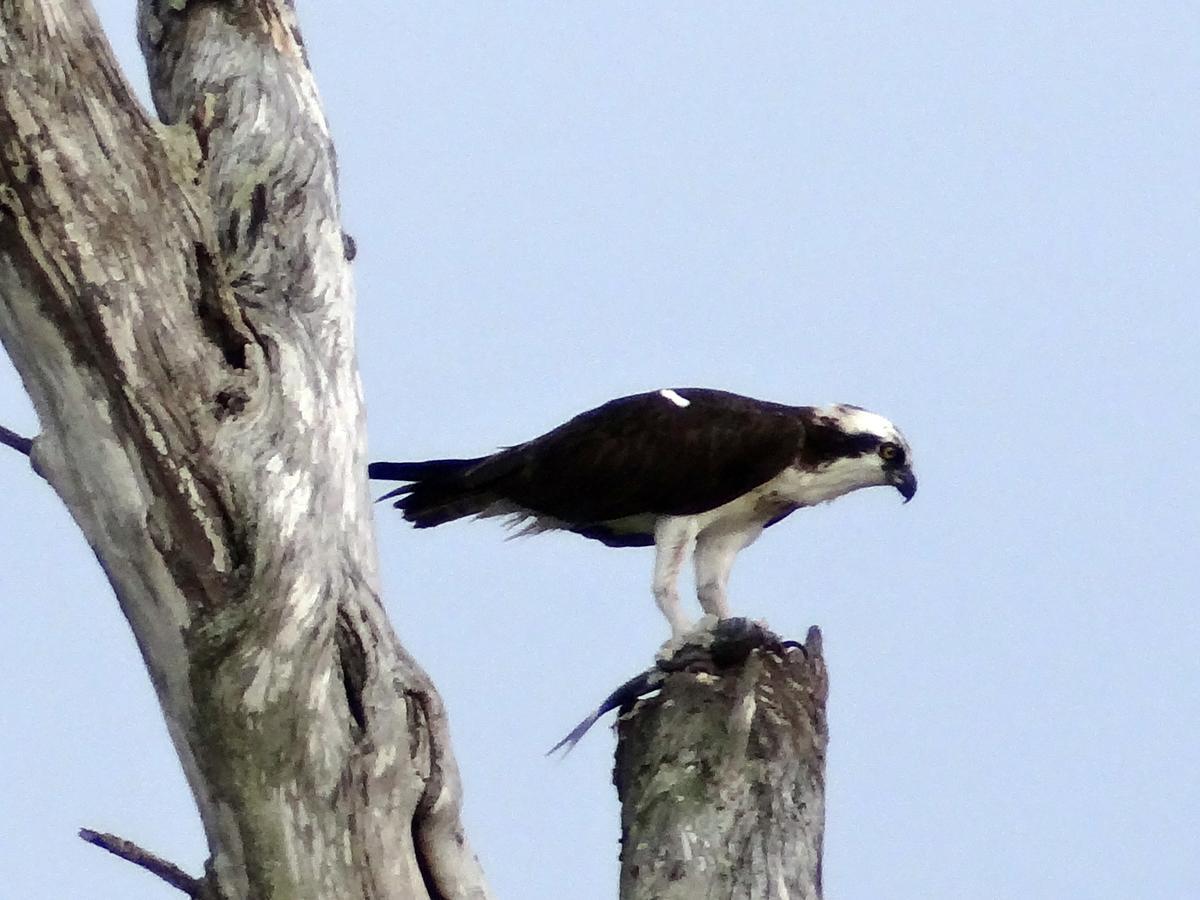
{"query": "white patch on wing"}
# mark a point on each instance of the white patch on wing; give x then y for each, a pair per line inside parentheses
(674, 397)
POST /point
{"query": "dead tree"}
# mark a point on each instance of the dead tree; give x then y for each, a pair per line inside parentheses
(721, 774)
(175, 293)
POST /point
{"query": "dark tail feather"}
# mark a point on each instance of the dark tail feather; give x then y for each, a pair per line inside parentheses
(437, 491)
(638, 686)
(395, 492)
(418, 471)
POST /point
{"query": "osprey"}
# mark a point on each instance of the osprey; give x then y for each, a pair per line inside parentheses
(677, 469)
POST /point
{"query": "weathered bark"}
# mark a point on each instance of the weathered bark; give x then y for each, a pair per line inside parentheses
(177, 300)
(721, 775)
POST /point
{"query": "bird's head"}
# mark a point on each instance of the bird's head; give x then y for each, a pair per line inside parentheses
(852, 448)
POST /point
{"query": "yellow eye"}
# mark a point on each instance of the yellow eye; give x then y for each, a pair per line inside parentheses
(888, 451)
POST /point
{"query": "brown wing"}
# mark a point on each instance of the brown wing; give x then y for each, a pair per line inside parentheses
(646, 454)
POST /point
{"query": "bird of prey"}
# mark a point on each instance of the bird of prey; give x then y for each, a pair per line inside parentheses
(680, 469)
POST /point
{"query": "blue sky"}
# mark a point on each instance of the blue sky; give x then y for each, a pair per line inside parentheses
(977, 219)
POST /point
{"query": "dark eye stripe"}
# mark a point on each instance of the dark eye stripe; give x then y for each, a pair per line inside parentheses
(824, 440)
(896, 457)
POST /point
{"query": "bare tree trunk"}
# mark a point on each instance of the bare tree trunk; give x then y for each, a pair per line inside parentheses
(721, 775)
(177, 299)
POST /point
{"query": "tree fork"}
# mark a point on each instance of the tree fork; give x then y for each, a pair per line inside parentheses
(721, 775)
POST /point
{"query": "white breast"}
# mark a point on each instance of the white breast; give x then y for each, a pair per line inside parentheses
(792, 487)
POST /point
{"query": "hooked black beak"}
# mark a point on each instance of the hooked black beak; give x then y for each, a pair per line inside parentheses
(905, 482)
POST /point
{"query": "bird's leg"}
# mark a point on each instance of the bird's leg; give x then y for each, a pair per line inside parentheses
(714, 556)
(673, 537)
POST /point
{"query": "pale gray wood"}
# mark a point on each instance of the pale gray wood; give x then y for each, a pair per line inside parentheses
(177, 300)
(721, 775)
